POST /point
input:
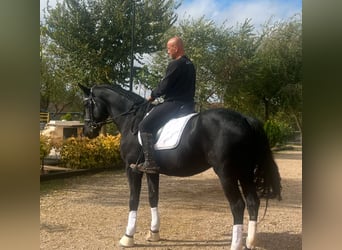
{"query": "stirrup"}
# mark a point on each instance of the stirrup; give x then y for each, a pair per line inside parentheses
(140, 167)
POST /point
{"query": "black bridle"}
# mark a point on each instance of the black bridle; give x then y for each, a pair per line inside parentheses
(90, 119)
(91, 103)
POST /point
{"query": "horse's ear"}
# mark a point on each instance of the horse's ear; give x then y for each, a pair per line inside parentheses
(85, 89)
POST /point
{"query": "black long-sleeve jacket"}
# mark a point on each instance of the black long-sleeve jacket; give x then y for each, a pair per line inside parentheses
(179, 81)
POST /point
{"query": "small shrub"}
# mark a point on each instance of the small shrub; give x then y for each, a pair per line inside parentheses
(277, 132)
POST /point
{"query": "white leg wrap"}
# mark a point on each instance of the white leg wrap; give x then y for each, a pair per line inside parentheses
(237, 237)
(252, 229)
(155, 222)
(153, 234)
(131, 225)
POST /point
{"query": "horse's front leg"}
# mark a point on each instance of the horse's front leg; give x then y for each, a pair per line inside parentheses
(134, 180)
(153, 195)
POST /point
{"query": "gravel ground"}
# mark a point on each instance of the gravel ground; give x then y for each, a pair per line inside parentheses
(90, 212)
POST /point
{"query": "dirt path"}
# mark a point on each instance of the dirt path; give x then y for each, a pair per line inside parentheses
(90, 212)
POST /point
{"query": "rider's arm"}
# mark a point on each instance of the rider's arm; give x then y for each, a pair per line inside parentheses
(169, 79)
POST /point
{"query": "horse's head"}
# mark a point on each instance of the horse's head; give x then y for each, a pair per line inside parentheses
(95, 113)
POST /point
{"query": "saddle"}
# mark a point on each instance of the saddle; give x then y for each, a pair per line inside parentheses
(169, 135)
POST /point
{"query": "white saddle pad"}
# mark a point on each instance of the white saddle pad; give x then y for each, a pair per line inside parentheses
(170, 133)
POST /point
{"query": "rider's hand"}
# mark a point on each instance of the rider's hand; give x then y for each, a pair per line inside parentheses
(150, 99)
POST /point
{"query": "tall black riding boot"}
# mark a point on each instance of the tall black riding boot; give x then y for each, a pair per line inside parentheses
(149, 166)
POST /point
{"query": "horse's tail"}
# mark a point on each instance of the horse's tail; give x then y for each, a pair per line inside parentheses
(267, 177)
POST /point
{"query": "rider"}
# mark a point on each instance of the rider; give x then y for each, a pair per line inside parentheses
(178, 89)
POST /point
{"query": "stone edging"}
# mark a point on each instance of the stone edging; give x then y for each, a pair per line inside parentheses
(71, 173)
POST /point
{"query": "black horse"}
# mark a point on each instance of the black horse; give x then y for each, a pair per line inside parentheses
(235, 146)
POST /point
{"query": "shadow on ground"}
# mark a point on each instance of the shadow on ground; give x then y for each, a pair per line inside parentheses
(287, 240)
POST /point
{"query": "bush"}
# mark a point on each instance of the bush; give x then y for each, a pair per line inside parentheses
(66, 117)
(277, 132)
(45, 147)
(84, 153)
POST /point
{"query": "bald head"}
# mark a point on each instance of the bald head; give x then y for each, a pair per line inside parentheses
(175, 47)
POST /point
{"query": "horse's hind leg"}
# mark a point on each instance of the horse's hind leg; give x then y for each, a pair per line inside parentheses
(237, 206)
(253, 204)
(153, 195)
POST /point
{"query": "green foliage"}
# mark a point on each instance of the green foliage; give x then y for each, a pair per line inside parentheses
(57, 77)
(66, 117)
(89, 41)
(85, 153)
(110, 129)
(96, 35)
(277, 77)
(277, 132)
(45, 147)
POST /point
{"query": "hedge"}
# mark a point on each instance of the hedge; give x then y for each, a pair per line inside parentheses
(84, 153)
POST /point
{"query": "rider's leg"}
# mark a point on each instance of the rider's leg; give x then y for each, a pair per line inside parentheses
(147, 145)
(157, 117)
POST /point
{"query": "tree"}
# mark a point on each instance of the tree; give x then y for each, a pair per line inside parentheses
(261, 75)
(278, 76)
(57, 82)
(96, 35)
(45, 76)
(233, 65)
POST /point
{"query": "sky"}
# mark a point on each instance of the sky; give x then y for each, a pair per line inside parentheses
(231, 11)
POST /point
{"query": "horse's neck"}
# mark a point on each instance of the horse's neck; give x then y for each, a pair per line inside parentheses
(117, 107)
(117, 111)
(118, 104)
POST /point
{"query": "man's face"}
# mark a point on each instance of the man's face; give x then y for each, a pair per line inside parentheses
(172, 50)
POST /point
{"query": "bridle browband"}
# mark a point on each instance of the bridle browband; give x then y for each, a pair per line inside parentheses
(93, 124)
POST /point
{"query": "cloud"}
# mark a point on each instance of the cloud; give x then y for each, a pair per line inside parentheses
(233, 12)
(198, 8)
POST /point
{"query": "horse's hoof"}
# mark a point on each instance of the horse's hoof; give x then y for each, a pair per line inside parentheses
(153, 236)
(126, 241)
